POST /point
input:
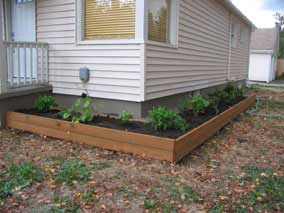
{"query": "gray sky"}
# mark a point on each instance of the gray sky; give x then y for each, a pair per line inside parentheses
(261, 12)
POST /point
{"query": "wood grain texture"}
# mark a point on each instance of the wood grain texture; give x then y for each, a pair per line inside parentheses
(144, 145)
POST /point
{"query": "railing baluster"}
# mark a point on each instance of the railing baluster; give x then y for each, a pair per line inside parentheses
(31, 64)
(25, 64)
(18, 65)
(47, 68)
(37, 67)
(41, 62)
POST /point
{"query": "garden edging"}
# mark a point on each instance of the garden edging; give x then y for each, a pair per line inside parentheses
(172, 150)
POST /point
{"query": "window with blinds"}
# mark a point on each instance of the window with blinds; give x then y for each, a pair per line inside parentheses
(109, 19)
(159, 20)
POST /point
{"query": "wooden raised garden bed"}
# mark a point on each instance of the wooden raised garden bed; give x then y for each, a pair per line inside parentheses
(172, 150)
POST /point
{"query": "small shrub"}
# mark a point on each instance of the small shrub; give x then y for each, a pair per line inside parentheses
(214, 101)
(198, 105)
(81, 112)
(73, 170)
(163, 119)
(45, 103)
(184, 105)
(18, 177)
(125, 117)
(230, 94)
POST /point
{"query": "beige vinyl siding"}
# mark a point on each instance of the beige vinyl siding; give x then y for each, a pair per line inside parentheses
(115, 69)
(202, 57)
(240, 55)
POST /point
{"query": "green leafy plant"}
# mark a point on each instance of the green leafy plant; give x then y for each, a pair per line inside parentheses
(230, 94)
(45, 103)
(198, 105)
(17, 177)
(214, 103)
(163, 119)
(125, 117)
(73, 170)
(82, 111)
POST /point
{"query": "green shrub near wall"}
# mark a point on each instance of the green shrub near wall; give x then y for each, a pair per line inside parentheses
(281, 50)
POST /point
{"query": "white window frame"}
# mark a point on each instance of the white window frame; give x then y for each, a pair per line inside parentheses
(141, 26)
(173, 25)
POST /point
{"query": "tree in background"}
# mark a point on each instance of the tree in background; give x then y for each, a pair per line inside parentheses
(281, 48)
(280, 20)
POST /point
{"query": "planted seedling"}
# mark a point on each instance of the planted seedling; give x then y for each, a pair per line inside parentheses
(162, 119)
(81, 112)
(198, 105)
(45, 103)
(125, 117)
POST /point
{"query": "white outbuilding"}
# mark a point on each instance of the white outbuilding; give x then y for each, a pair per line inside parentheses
(263, 54)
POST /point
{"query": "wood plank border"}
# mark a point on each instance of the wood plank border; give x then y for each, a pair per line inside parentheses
(172, 150)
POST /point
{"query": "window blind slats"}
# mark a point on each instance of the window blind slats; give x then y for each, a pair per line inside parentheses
(158, 20)
(109, 19)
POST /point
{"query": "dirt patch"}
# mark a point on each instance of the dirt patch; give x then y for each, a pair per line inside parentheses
(214, 177)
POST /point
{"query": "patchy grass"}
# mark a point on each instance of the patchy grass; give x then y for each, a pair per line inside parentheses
(73, 171)
(64, 204)
(100, 165)
(17, 177)
(267, 190)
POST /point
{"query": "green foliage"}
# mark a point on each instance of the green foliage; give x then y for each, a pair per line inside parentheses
(17, 177)
(154, 205)
(230, 94)
(178, 191)
(125, 117)
(214, 101)
(198, 105)
(281, 47)
(82, 111)
(268, 194)
(163, 119)
(45, 103)
(72, 171)
(150, 204)
(183, 105)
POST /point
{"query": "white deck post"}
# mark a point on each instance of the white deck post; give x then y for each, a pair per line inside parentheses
(3, 62)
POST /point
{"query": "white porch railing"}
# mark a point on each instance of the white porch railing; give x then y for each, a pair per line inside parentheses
(27, 63)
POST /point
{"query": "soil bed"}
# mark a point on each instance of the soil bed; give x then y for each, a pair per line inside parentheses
(108, 121)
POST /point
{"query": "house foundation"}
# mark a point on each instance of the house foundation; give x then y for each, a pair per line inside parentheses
(140, 109)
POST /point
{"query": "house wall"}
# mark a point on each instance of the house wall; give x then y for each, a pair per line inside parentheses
(239, 65)
(261, 67)
(202, 57)
(115, 69)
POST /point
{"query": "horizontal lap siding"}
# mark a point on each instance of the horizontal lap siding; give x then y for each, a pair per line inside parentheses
(240, 56)
(201, 59)
(115, 69)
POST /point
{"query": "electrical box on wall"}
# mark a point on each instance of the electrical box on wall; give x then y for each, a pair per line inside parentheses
(84, 74)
